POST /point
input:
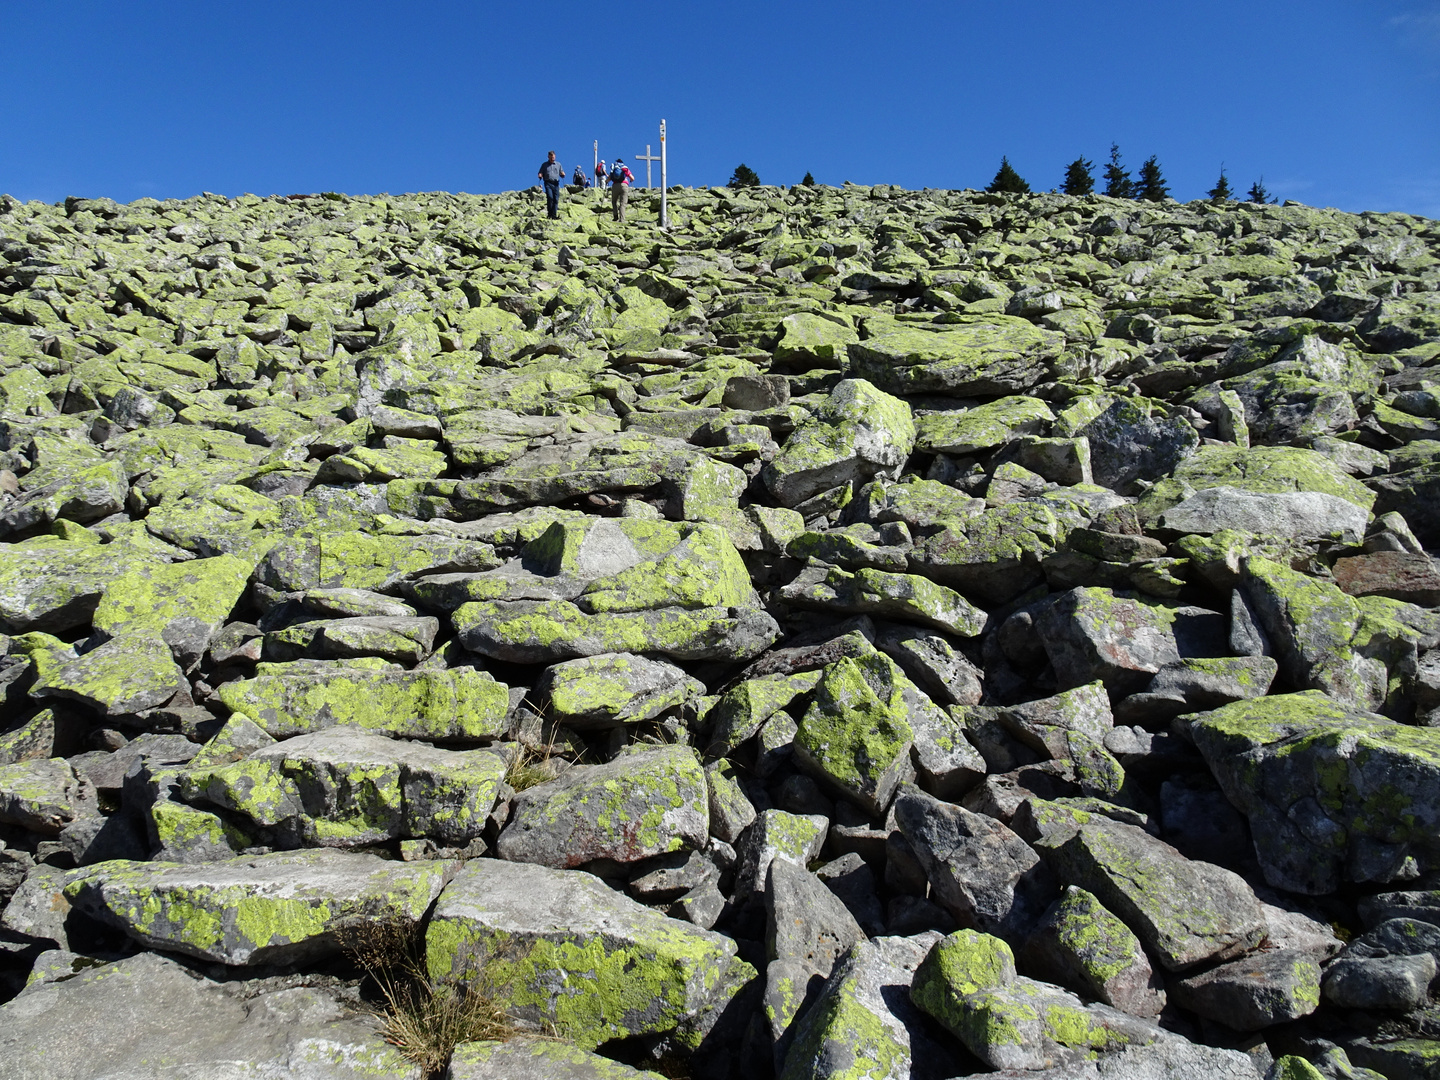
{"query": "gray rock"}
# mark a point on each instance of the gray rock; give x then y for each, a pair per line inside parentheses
(280, 908)
(1266, 755)
(149, 1016)
(126, 675)
(1380, 982)
(1289, 514)
(644, 803)
(1254, 992)
(559, 947)
(935, 665)
(1078, 943)
(611, 689)
(535, 1059)
(1138, 877)
(983, 873)
(775, 834)
(43, 795)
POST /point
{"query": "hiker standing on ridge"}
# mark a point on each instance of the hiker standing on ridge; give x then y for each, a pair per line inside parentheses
(601, 171)
(620, 178)
(552, 175)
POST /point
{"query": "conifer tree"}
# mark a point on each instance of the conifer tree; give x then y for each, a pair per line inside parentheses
(1118, 184)
(1078, 178)
(1258, 192)
(1221, 192)
(1152, 186)
(743, 176)
(1007, 180)
(809, 180)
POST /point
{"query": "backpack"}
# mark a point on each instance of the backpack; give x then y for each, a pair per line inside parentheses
(617, 173)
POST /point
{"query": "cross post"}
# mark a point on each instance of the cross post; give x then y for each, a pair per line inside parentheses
(664, 187)
(647, 158)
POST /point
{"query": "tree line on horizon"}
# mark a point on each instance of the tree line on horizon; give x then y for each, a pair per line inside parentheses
(1148, 185)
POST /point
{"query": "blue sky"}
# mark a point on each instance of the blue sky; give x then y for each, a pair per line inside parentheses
(1334, 102)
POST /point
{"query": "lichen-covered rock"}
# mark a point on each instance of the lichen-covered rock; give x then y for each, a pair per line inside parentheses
(1254, 992)
(278, 908)
(126, 675)
(43, 795)
(1332, 793)
(908, 597)
(1080, 944)
(346, 787)
(611, 689)
(460, 703)
(55, 586)
(858, 433)
(1138, 877)
(560, 948)
(147, 1015)
(535, 1059)
(183, 604)
(990, 354)
(647, 802)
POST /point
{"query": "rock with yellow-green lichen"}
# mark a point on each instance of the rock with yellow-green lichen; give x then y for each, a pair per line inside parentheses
(360, 560)
(907, 597)
(347, 787)
(1287, 514)
(776, 834)
(54, 586)
(1254, 992)
(187, 834)
(124, 676)
(183, 604)
(743, 708)
(148, 1015)
(403, 639)
(995, 555)
(1327, 640)
(1123, 639)
(856, 735)
(858, 433)
(1081, 945)
(619, 585)
(44, 795)
(647, 802)
(284, 907)
(964, 431)
(1138, 878)
(807, 929)
(445, 704)
(559, 948)
(863, 1025)
(1332, 793)
(980, 870)
(530, 1058)
(612, 689)
(1199, 683)
(90, 491)
(811, 340)
(984, 354)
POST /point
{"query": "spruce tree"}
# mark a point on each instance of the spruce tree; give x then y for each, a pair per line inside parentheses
(809, 180)
(1118, 184)
(1007, 180)
(1221, 192)
(1152, 186)
(1258, 192)
(743, 176)
(1078, 178)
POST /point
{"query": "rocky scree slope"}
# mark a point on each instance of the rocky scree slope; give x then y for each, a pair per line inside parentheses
(858, 632)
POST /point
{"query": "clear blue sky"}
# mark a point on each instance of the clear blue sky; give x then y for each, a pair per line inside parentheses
(1335, 102)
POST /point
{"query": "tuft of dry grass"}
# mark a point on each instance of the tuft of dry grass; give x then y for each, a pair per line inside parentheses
(529, 766)
(424, 1019)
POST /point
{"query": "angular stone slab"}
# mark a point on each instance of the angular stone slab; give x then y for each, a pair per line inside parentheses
(343, 786)
(43, 795)
(982, 872)
(1288, 514)
(858, 433)
(360, 560)
(55, 586)
(182, 603)
(149, 1016)
(864, 1025)
(907, 597)
(1254, 992)
(856, 735)
(1400, 575)
(644, 803)
(612, 689)
(990, 356)
(1332, 793)
(966, 431)
(124, 676)
(1139, 879)
(459, 703)
(561, 948)
(285, 907)
(536, 1059)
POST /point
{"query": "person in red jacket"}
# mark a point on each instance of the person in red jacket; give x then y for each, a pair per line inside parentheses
(620, 180)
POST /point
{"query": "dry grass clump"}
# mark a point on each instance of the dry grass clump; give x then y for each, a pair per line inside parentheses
(529, 766)
(423, 1018)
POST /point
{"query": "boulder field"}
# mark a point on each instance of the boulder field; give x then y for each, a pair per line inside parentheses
(855, 633)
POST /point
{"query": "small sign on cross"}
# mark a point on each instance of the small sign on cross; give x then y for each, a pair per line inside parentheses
(647, 158)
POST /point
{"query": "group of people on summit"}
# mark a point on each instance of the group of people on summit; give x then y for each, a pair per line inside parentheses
(618, 174)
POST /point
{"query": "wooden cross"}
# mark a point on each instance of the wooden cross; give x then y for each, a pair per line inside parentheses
(664, 184)
(647, 158)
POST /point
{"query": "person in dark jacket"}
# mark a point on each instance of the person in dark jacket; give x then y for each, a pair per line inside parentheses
(620, 180)
(552, 175)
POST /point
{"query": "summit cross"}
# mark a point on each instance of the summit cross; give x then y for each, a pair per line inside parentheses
(647, 158)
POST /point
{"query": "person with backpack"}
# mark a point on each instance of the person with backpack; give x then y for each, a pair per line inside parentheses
(579, 179)
(552, 175)
(620, 179)
(601, 171)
